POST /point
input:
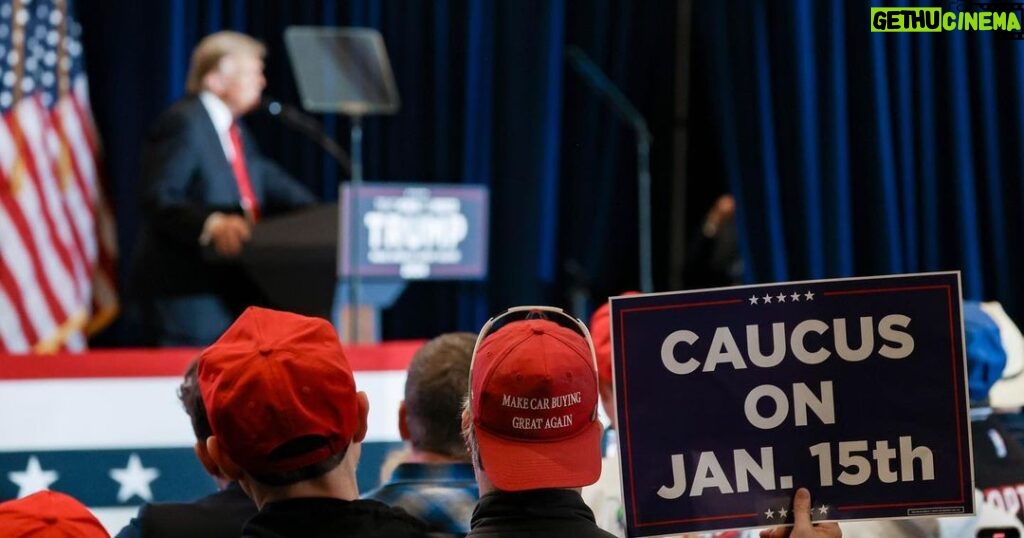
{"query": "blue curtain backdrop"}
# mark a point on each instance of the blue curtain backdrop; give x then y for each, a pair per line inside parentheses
(486, 99)
(857, 153)
(849, 153)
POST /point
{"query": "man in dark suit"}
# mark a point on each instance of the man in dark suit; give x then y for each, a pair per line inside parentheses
(204, 183)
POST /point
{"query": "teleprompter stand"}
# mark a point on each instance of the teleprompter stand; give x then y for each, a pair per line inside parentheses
(347, 71)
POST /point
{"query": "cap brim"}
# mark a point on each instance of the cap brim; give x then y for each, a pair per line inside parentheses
(518, 466)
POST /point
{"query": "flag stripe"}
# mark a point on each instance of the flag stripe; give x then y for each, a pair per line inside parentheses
(80, 97)
(72, 406)
(57, 286)
(15, 328)
(31, 123)
(69, 125)
(64, 196)
(25, 265)
(154, 362)
(80, 200)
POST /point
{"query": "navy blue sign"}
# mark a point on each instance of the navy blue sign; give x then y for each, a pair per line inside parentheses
(414, 231)
(730, 399)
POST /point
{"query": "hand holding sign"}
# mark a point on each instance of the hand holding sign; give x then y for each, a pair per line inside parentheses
(802, 526)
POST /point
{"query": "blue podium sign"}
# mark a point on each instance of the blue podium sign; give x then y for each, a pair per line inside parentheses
(730, 399)
(414, 231)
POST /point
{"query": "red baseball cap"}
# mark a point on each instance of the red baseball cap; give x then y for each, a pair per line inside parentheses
(49, 514)
(273, 378)
(534, 398)
(601, 332)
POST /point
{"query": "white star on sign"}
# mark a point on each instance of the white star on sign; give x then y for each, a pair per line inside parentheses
(134, 479)
(33, 478)
(809, 296)
(753, 299)
(823, 509)
(767, 299)
(781, 297)
(768, 514)
(783, 513)
(795, 297)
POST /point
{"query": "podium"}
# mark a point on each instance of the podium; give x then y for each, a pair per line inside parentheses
(293, 260)
(405, 232)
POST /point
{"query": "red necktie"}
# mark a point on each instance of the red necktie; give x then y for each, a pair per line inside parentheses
(249, 203)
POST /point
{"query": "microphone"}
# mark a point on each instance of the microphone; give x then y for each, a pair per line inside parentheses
(308, 126)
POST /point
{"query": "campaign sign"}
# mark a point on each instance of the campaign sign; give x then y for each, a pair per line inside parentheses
(414, 231)
(730, 399)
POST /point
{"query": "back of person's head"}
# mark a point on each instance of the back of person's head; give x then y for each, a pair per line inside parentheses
(601, 332)
(280, 397)
(207, 55)
(49, 514)
(435, 388)
(531, 418)
(192, 401)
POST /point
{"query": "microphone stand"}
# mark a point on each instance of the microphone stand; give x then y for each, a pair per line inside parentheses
(597, 80)
(311, 128)
(308, 126)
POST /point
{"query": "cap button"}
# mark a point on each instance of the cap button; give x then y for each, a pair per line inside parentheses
(265, 350)
(538, 330)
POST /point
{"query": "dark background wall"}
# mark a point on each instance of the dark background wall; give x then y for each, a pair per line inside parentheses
(487, 98)
(849, 152)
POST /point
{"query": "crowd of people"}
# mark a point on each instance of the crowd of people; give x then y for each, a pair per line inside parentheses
(279, 423)
(278, 418)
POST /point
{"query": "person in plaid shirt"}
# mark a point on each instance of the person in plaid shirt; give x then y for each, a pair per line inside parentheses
(435, 481)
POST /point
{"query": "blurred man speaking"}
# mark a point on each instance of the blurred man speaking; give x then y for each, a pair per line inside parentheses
(204, 183)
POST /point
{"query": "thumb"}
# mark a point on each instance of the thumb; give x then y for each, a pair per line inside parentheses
(802, 508)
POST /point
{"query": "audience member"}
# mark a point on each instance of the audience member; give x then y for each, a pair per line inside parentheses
(1007, 395)
(288, 424)
(435, 480)
(713, 256)
(531, 463)
(220, 514)
(204, 182)
(998, 455)
(604, 497)
(49, 514)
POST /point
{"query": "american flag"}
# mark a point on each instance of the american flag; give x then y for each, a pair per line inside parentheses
(57, 244)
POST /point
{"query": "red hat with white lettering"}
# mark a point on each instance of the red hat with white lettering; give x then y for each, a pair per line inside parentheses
(533, 395)
(49, 514)
(279, 392)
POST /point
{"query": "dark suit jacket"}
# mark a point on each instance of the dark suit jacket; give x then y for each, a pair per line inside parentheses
(222, 514)
(186, 177)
